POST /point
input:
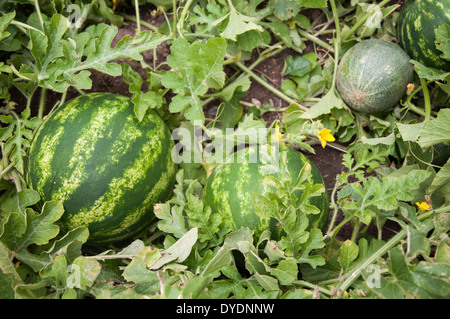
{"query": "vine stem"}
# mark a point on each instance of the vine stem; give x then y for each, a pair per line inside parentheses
(138, 18)
(38, 11)
(316, 40)
(380, 252)
(143, 23)
(42, 103)
(183, 17)
(310, 285)
(269, 87)
(337, 42)
(363, 19)
(426, 97)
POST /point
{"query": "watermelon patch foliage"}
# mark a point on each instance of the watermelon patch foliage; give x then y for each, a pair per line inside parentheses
(96, 203)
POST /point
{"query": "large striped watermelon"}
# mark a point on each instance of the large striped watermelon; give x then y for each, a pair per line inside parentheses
(416, 28)
(106, 167)
(230, 187)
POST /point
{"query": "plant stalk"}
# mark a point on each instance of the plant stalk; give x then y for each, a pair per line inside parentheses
(138, 18)
(361, 21)
(316, 40)
(269, 87)
(426, 97)
(42, 103)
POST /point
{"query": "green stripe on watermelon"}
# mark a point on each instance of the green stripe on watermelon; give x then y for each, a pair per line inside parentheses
(416, 27)
(108, 168)
(230, 187)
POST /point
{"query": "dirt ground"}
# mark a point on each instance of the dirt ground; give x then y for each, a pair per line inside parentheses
(327, 160)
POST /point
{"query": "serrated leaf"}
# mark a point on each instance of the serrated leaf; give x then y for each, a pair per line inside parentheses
(8, 274)
(196, 67)
(324, 106)
(84, 272)
(239, 23)
(179, 251)
(429, 73)
(138, 272)
(96, 45)
(5, 20)
(171, 219)
(315, 241)
(436, 130)
(443, 40)
(348, 253)
(286, 271)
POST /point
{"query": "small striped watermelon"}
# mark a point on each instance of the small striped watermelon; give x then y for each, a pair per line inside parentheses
(230, 187)
(416, 27)
(106, 167)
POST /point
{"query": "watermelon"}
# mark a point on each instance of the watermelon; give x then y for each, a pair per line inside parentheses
(416, 27)
(230, 187)
(373, 76)
(107, 168)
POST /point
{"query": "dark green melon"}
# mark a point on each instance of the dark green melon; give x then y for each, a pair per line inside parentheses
(106, 167)
(230, 187)
(373, 76)
(416, 28)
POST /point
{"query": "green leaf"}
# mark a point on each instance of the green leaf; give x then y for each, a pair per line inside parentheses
(313, 3)
(267, 282)
(171, 219)
(5, 20)
(221, 259)
(424, 281)
(142, 101)
(179, 251)
(410, 132)
(286, 271)
(348, 253)
(137, 270)
(17, 136)
(196, 68)
(264, 207)
(436, 130)
(84, 272)
(285, 9)
(428, 73)
(443, 40)
(8, 274)
(298, 66)
(239, 23)
(315, 241)
(324, 106)
(96, 45)
(39, 228)
(441, 182)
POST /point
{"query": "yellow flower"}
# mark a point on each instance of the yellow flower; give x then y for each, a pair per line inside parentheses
(325, 136)
(410, 88)
(423, 206)
(115, 4)
(278, 135)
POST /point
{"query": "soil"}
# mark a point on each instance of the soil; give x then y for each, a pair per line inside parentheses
(327, 160)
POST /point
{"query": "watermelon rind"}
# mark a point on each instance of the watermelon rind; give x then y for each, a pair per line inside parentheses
(107, 168)
(416, 27)
(230, 187)
(373, 76)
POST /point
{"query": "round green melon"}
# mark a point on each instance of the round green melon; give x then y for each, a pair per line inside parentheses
(107, 168)
(373, 76)
(416, 28)
(230, 187)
